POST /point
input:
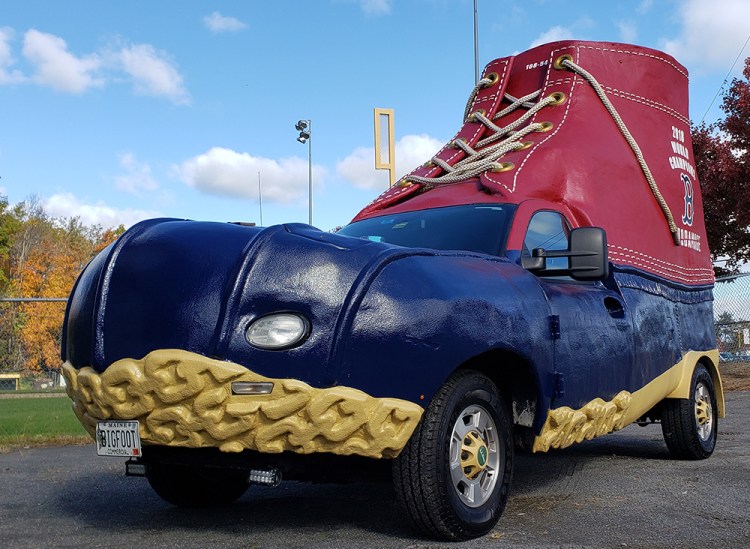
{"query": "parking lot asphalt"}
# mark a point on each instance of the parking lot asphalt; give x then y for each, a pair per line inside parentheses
(622, 490)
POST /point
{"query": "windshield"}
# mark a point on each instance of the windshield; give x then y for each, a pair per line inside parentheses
(475, 228)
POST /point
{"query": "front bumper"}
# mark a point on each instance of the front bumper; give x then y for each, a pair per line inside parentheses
(182, 399)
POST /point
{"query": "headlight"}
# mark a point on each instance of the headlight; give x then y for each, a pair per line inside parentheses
(277, 331)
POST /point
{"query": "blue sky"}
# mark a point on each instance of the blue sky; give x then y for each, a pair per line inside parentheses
(119, 111)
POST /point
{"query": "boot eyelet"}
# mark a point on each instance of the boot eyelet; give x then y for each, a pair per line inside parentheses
(428, 164)
(558, 62)
(473, 118)
(524, 145)
(404, 183)
(454, 143)
(559, 98)
(493, 78)
(503, 167)
(546, 126)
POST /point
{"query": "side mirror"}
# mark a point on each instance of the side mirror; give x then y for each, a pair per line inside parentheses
(586, 253)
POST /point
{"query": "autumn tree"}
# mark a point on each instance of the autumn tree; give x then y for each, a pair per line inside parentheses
(40, 257)
(10, 225)
(47, 272)
(721, 158)
(11, 357)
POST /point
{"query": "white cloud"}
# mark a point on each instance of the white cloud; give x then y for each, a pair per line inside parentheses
(225, 172)
(217, 22)
(153, 73)
(553, 35)
(8, 75)
(56, 66)
(68, 205)
(137, 176)
(376, 7)
(644, 7)
(411, 150)
(712, 34)
(628, 31)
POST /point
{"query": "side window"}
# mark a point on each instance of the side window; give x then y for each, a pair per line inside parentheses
(547, 230)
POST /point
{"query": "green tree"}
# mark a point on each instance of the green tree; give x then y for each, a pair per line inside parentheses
(726, 330)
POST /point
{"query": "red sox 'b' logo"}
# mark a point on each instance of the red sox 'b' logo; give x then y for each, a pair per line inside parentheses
(687, 217)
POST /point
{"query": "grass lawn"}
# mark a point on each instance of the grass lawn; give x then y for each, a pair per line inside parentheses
(39, 421)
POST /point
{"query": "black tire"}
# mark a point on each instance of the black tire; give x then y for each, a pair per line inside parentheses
(445, 486)
(189, 486)
(690, 425)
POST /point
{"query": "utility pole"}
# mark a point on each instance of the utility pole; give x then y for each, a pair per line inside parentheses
(476, 45)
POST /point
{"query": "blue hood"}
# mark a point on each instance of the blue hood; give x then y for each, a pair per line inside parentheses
(379, 313)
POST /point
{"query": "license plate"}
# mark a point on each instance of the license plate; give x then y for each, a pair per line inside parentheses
(118, 438)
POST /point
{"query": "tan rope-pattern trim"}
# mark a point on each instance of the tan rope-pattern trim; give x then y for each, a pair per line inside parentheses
(631, 141)
(183, 399)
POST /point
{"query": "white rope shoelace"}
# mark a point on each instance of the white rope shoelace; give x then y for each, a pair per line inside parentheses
(484, 157)
(487, 152)
(631, 141)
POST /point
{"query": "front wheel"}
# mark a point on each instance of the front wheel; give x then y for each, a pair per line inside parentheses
(690, 425)
(453, 477)
(190, 486)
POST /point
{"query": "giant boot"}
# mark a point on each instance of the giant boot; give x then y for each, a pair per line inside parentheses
(600, 127)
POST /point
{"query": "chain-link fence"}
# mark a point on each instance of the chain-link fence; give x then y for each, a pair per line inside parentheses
(732, 317)
(30, 331)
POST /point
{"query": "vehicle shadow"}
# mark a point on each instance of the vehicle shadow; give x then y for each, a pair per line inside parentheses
(106, 499)
(112, 504)
(632, 442)
(561, 471)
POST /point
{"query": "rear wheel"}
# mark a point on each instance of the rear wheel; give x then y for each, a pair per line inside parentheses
(453, 477)
(690, 425)
(191, 486)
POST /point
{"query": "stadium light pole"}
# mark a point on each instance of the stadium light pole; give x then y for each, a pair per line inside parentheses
(304, 127)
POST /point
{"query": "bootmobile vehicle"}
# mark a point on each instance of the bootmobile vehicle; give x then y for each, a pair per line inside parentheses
(542, 280)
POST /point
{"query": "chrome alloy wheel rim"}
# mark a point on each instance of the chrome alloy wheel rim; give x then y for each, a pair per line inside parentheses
(474, 456)
(704, 412)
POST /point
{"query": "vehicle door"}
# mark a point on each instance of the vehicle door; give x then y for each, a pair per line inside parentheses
(591, 327)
